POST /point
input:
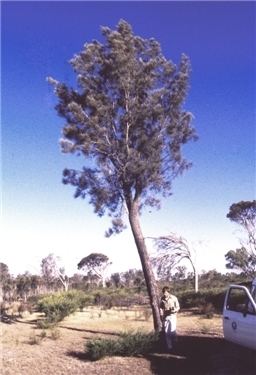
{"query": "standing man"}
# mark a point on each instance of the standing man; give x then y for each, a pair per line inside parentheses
(169, 306)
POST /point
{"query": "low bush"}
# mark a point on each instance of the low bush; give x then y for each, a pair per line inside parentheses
(138, 343)
(128, 344)
(97, 349)
(59, 305)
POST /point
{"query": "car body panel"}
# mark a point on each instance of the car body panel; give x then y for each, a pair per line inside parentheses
(239, 316)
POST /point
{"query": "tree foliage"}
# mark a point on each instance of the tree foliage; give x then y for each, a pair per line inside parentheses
(126, 118)
(244, 258)
(5, 280)
(241, 259)
(244, 214)
(23, 284)
(4, 273)
(51, 270)
(171, 250)
(95, 263)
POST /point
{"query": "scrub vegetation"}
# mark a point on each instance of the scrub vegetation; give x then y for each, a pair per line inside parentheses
(125, 333)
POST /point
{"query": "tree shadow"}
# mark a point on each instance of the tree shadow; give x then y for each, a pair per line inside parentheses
(17, 318)
(196, 355)
(82, 356)
(201, 355)
(8, 319)
(107, 333)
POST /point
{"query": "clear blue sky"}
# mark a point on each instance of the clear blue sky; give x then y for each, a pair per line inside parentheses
(39, 213)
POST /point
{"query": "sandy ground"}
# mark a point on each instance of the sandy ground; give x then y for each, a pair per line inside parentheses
(27, 350)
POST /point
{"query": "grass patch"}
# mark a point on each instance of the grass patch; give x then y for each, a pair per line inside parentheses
(55, 334)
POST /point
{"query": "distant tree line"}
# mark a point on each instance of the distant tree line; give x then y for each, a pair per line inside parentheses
(24, 286)
(52, 280)
(171, 250)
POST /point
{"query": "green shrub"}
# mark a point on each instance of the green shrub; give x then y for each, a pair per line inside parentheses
(137, 343)
(127, 345)
(97, 349)
(59, 305)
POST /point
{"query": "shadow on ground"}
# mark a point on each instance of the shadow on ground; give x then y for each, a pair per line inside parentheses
(107, 333)
(8, 319)
(201, 355)
(198, 355)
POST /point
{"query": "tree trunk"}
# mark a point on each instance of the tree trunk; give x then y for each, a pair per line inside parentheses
(66, 285)
(196, 282)
(145, 262)
(1, 294)
(195, 276)
(103, 282)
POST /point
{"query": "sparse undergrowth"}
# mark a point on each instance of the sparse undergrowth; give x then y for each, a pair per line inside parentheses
(196, 333)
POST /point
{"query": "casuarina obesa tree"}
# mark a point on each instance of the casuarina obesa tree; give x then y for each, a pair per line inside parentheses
(126, 119)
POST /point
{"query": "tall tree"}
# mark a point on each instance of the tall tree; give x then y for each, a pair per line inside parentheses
(97, 264)
(244, 214)
(244, 258)
(115, 279)
(23, 285)
(51, 270)
(241, 260)
(5, 278)
(126, 118)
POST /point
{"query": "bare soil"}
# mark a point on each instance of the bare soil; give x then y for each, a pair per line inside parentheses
(200, 349)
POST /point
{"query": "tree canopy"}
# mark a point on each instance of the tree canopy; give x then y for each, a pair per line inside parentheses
(244, 213)
(171, 250)
(4, 272)
(241, 259)
(96, 263)
(51, 270)
(244, 258)
(126, 118)
(93, 261)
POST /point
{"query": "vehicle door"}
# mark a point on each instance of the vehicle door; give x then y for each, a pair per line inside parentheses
(239, 317)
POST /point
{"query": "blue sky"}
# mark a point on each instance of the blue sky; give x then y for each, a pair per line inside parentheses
(39, 214)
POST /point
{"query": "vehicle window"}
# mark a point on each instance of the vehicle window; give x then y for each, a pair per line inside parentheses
(238, 301)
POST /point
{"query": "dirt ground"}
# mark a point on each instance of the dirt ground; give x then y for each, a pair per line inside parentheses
(27, 350)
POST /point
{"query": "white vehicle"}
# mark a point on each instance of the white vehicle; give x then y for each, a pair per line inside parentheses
(239, 315)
